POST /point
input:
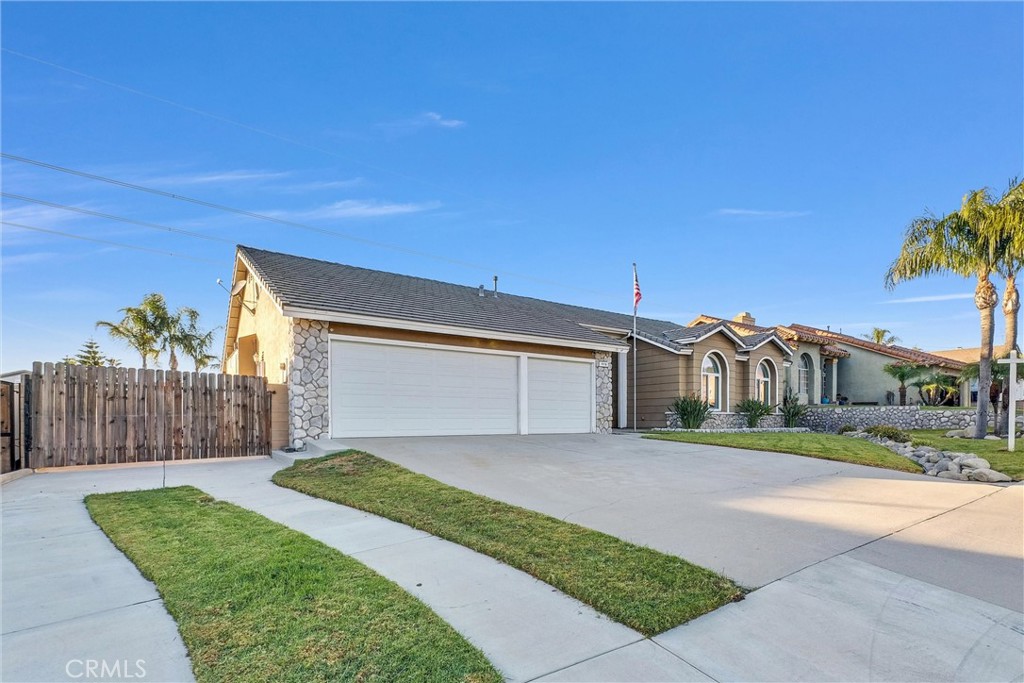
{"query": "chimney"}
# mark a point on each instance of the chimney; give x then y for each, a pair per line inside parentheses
(744, 317)
(481, 291)
(495, 286)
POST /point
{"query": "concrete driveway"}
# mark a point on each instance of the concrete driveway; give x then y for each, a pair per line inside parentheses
(864, 573)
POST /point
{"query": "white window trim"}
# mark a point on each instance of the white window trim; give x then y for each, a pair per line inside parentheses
(723, 380)
(777, 381)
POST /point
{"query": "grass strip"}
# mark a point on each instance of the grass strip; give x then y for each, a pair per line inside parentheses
(642, 588)
(1010, 464)
(256, 601)
(812, 445)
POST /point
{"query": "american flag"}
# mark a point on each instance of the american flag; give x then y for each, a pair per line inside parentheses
(636, 291)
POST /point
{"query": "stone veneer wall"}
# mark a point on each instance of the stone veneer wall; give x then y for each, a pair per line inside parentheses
(727, 421)
(831, 418)
(308, 382)
(603, 398)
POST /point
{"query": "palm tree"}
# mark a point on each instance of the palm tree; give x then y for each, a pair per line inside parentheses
(198, 344)
(903, 373)
(1011, 212)
(936, 389)
(151, 327)
(970, 241)
(139, 328)
(881, 336)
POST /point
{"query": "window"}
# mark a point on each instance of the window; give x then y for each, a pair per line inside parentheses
(804, 376)
(711, 382)
(763, 383)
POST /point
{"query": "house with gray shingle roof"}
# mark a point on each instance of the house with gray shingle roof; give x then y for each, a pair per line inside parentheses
(361, 352)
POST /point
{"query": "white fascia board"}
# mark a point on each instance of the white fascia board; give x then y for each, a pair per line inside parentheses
(678, 352)
(782, 345)
(393, 323)
(723, 328)
(606, 330)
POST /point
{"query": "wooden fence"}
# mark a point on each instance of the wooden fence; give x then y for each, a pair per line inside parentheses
(81, 415)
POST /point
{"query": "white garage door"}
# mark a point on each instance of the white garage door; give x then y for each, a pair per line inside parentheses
(387, 390)
(560, 396)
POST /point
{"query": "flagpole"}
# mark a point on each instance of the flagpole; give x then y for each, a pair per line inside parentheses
(634, 350)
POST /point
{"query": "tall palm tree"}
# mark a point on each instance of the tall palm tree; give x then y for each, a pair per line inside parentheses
(881, 336)
(970, 241)
(903, 373)
(1011, 213)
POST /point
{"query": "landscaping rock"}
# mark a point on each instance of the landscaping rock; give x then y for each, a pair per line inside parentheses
(974, 463)
(988, 475)
(943, 464)
(952, 475)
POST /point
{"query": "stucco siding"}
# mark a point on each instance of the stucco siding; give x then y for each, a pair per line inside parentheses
(862, 379)
(272, 332)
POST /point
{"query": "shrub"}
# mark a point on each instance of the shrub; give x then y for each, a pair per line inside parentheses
(753, 410)
(847, 428)
(691, 410)
(792, 409)
(888, 432)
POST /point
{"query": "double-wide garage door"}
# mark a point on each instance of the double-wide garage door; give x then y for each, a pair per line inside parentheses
(394, 390)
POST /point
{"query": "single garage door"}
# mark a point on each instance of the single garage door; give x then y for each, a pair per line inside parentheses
(388, 390)
(560, 396)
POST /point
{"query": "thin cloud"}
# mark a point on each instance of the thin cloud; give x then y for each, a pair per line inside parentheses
(358, 208)
(760, 213)
(317, 185)
(428, 119)
(218, 177)
(28, 258)
(933, 297)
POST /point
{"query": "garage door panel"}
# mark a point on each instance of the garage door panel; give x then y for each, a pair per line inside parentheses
(388, 390)
(560, 396)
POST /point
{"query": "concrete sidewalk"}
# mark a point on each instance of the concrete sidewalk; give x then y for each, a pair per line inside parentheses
(525, 627)
(866, 613)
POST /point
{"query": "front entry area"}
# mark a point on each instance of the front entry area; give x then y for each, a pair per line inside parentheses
(386, 388)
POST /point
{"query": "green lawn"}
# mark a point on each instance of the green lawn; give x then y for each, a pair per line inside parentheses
(256, 601)
(825, 446)
(1011, 464)
(642, 588)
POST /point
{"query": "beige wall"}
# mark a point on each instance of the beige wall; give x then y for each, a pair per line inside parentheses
(663, 376)
(660, 381)
(266, 332)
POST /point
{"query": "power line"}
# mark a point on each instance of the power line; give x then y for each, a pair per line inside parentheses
(239, 124)
(111, 217)
(121, 245)
(281, 221)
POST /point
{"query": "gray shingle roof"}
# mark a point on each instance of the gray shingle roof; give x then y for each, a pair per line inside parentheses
(308, 283)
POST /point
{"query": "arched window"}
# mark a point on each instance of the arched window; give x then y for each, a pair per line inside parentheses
(804, 376)
(711, 378)
(763, 383)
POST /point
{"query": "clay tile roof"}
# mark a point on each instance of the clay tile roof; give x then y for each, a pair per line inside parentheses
(893, 351)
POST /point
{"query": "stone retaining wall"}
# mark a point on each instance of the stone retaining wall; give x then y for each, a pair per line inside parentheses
(727, 421)
(831, 418)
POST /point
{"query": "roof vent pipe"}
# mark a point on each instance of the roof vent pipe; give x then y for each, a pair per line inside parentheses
(481, 291)
(495, 286)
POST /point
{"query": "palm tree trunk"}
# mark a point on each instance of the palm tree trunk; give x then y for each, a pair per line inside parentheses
(903, 394)
(985, 299)
(173, 361)
(1011, 309)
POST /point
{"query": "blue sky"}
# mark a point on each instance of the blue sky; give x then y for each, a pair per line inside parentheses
(762, 157)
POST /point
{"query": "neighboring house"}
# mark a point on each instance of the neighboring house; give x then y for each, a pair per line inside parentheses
(368, 353)
(812, 373)
(861, 378)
